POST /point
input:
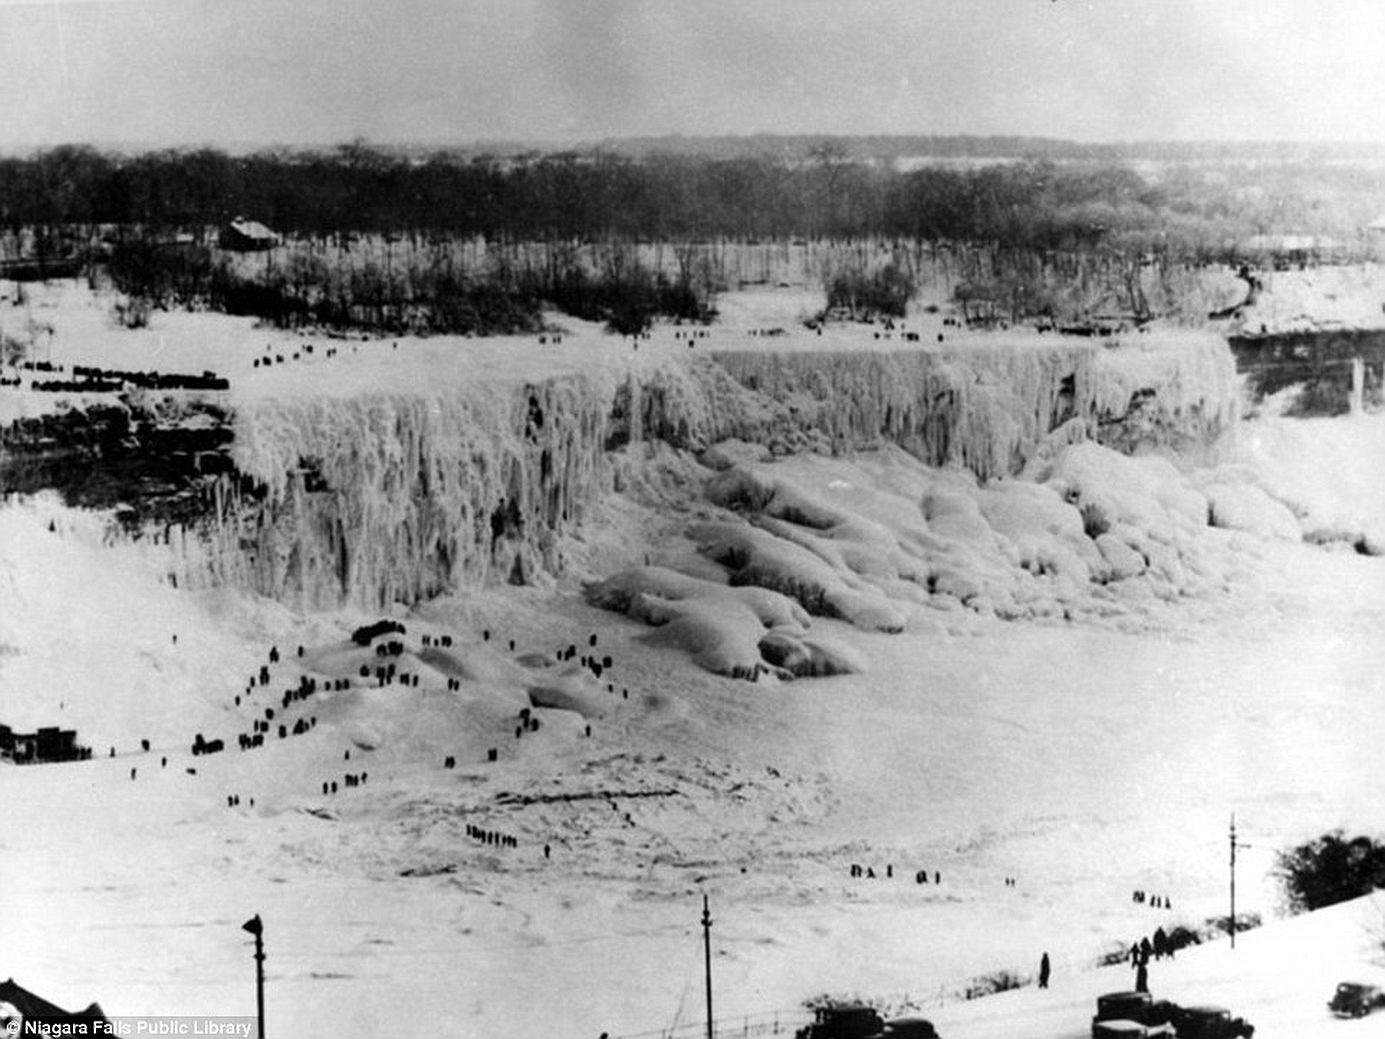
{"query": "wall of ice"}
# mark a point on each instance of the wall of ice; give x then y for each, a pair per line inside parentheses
(383, 498)
(386, 495)
(988, 405)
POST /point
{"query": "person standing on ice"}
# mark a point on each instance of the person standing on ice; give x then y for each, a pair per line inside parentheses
(1043, 971)
(1140, 955)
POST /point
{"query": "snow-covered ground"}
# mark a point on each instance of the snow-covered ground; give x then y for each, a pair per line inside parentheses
(1084, 761)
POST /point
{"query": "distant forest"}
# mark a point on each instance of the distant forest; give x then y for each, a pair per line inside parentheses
(979, 189)
(1035, 229)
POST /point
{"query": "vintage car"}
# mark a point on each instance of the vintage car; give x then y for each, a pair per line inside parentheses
(1356, 999)
(855, 1021)
(1132, 1015)
(1211, 1023)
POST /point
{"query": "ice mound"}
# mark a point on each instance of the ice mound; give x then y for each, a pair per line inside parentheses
(880, 541)
(1045, 531)
(719, 634)
(639, 590)
(1111, 489)
(809, 657)
(769, 559)
(1243, 506)
(721, 627)
(567, 687)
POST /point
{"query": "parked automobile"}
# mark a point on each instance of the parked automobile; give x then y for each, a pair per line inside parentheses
(1117, 1012)
(1356, 999)
(1138, 1015)
(857, 1021)
(843, 1021)
(1205, 1022)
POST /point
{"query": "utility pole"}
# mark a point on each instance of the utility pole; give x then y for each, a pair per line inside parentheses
(707, 959)
(254, 926)
(1234, 846)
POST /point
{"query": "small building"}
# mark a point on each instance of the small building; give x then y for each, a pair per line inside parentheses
(44, 745)
(37, 1016)
(247, 236)
(55, 744)
(1284, 251)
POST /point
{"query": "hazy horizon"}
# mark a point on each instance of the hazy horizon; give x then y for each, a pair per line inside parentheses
(739, 144)
(257, 73)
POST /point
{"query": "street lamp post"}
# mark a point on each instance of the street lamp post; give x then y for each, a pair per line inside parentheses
(256, 928)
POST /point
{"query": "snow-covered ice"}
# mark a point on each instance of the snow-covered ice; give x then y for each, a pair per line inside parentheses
(1085, 758)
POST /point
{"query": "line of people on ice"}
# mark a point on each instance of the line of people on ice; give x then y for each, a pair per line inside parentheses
(1153, 901)
(492, 837)
(859, 872)
(306, 350)
(350, 780)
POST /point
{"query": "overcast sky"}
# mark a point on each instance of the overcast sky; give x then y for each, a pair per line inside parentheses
(322, 71)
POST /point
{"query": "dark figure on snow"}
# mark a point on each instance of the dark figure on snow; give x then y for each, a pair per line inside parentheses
(1043, 971)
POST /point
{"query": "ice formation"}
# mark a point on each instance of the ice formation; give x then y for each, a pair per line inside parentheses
(989, 404)
(883, 543)
(725, 629)
(371, 495)
(377, 499)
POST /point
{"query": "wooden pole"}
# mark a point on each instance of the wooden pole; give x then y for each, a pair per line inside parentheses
(707, 959)
(1233, 880)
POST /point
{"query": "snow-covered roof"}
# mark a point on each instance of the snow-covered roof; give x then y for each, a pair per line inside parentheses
(253, 229)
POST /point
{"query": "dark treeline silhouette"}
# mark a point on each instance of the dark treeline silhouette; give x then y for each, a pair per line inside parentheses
(830, 189)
